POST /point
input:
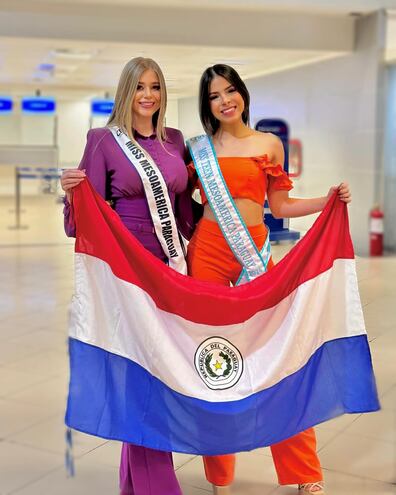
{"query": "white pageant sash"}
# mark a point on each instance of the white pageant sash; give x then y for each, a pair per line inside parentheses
(158, 199)
(224, 208)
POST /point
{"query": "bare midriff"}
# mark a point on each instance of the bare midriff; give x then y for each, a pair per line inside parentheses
(251, 212)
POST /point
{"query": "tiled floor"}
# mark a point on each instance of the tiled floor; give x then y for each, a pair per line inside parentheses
(358, 452)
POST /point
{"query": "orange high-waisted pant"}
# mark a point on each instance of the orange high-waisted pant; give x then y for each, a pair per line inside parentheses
(210, 258)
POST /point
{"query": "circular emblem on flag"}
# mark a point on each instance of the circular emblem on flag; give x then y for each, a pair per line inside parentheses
(219, 363)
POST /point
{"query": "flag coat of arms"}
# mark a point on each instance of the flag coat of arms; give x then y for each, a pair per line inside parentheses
(168, 362)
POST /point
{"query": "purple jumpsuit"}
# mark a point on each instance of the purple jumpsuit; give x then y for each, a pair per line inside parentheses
(143, 471)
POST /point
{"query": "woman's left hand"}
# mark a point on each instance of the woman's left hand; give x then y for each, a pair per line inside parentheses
(344, 192)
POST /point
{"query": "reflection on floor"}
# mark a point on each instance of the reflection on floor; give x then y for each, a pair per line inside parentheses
(357, 451)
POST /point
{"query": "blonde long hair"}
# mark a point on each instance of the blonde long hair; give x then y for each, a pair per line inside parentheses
(122, 114)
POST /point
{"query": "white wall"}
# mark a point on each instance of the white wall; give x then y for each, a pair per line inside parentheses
(172, 114)
(189, 122)
(19, 129)
(333, 108)
(38, 130)
(390, 163)
(73, 125)
(10, 129)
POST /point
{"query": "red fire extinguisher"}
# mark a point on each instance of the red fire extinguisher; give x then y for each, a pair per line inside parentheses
(376, 231)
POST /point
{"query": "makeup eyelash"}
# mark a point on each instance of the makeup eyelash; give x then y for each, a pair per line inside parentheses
(139, 87)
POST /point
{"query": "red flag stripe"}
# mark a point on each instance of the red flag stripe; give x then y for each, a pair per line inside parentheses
(101, 233)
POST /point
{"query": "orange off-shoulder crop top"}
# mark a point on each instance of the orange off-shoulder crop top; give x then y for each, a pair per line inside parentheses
(247, 177)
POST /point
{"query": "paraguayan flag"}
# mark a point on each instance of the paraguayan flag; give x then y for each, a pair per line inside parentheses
(165, 361)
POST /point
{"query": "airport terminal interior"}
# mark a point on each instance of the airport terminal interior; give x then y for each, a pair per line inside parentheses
(325, 69)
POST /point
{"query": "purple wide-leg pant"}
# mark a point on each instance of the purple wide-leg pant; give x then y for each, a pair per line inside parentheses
(145, 471)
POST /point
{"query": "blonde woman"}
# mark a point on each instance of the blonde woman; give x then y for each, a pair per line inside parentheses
(139, 112)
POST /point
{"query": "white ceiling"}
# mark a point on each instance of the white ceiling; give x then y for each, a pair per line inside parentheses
(305, 6)
(390, 53)
(84, 68)
(94, 68)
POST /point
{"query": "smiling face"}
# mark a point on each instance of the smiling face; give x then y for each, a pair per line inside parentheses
(147, 99)
(226, 103)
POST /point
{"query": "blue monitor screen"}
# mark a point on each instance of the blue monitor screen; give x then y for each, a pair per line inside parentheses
(6, 104)
(102, 107)
(38, 104)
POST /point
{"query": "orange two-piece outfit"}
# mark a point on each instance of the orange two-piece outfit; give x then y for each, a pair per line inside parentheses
(210, 258)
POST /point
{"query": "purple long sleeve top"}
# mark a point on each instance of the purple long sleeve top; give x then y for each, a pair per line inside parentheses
(115, 179)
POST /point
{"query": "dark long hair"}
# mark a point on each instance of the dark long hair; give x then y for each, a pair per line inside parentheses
(209, 122)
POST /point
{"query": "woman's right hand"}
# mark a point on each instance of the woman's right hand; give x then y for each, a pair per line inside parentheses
(71, 178)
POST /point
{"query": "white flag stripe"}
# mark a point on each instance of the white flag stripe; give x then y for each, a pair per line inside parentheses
(121, 318)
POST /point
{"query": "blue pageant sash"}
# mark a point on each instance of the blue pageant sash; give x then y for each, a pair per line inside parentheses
(224, 208)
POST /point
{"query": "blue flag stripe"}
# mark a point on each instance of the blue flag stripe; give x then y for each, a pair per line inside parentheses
(115, 398)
